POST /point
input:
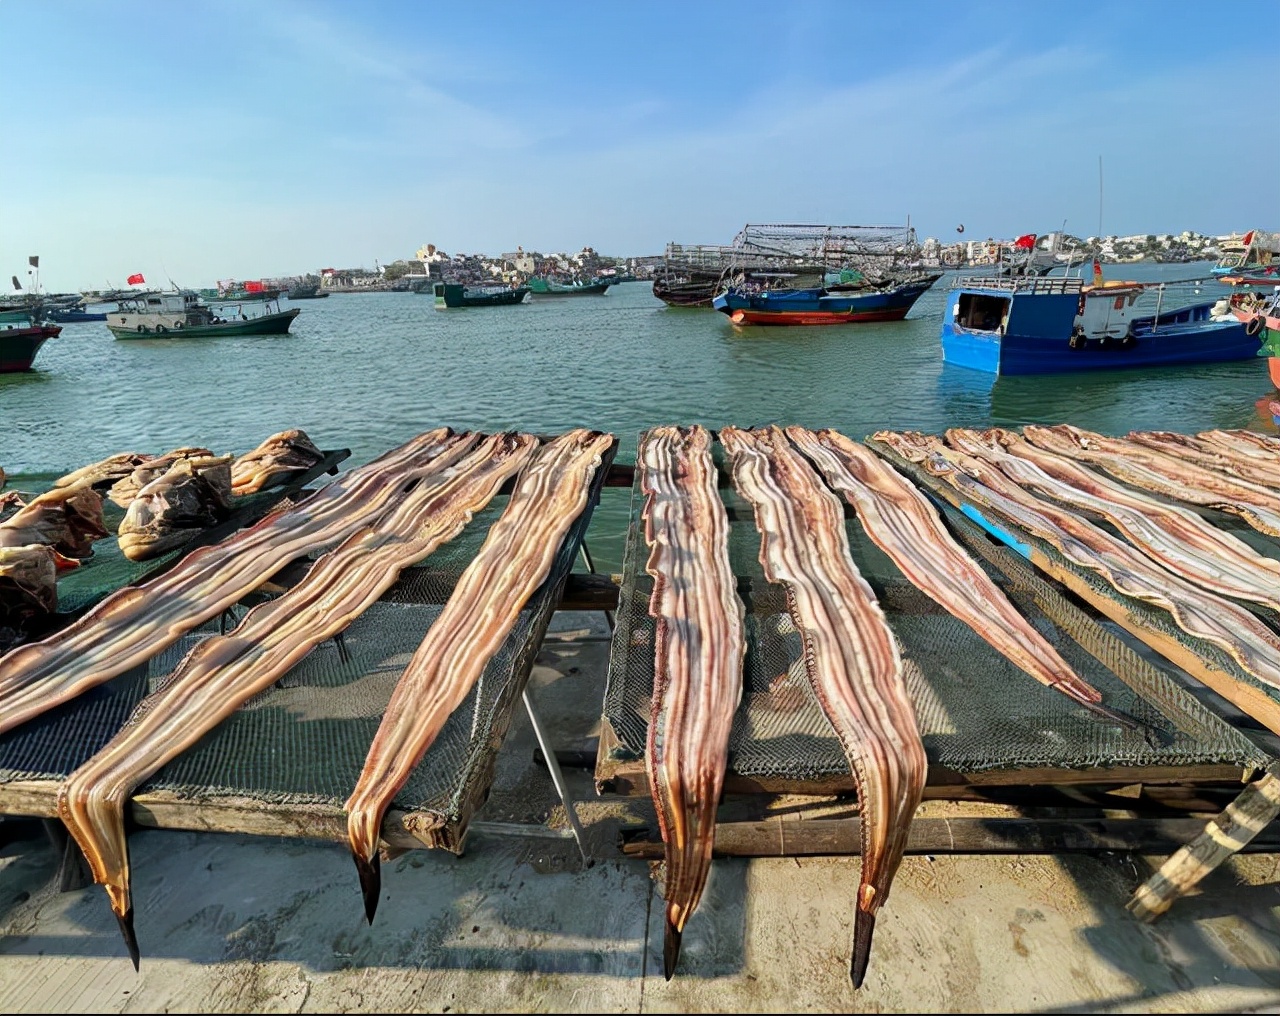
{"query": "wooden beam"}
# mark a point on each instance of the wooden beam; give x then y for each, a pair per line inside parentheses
(1239, 827)
(964, 835)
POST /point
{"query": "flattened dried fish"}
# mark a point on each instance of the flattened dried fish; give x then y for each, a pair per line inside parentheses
(125, 489)
(851, 656)
(279, 456)
(1199, 613)
(1209, 456)
(192, 496)
(223, 672)
(1177, 538)
(105, 473)
(513, 561)
(136, 622)
(68, 519)
(699, 650)
(905, 526)
(1154, 471)
(28, 585)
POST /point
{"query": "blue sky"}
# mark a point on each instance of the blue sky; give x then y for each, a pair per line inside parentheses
(206, 140)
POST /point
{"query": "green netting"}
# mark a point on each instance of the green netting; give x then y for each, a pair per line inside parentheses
(976, 710)
(305, 739)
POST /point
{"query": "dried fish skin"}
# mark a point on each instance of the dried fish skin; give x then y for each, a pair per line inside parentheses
(193, 495)
(279, 456)
(136, 622)
(907, 528)
(699, 650)
(68, 519)
(515, 558)
(224, 671)
(851, 656)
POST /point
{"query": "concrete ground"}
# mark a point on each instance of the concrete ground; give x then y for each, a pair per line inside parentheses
(231, 923)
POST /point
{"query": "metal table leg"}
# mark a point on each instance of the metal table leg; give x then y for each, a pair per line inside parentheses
(556, 775)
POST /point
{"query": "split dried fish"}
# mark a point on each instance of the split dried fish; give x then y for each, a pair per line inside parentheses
(698, 658)
(67, 519)
(223, 672)
(907, 528)
(136, 622)
(279, 456)
(192, 496)
(852, 659)
(513, 561)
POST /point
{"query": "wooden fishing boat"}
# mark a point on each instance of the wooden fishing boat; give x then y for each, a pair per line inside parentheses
(181, 313)
(1061, 325)
(456, 294)
(19, 345)
(546, 286)
(822, 305)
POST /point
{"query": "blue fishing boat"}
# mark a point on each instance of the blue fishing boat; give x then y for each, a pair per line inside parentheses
(1059, 325)
(821, 305)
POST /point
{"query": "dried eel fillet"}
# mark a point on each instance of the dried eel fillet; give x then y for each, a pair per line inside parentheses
(1162, 474)
(907, 528)
(1206, 455)
(513, 561)
(851, 657)
(698, 656)
(1247, 443)
(136, 622)
(223, 672)
(1176, 538)
(1199, 613)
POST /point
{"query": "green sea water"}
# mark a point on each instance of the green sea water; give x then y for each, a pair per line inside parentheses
(367, 371)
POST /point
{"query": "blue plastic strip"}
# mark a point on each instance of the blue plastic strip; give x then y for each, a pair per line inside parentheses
(996, 531)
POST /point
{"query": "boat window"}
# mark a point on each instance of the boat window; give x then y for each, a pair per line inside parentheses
(981, 312)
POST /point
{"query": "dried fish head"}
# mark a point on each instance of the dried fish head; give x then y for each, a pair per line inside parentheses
(279, 455)
(28, 584)
(68, 519)
(191, 496)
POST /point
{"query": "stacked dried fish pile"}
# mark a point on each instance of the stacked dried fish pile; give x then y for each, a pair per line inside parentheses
(223, 672)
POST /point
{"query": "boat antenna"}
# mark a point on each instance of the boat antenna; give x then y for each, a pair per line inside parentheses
(1099, 198)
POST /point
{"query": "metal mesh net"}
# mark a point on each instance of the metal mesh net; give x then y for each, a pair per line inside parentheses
(305, 739)
(976, 710)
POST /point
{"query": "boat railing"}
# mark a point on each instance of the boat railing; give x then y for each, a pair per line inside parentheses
(1038, 285)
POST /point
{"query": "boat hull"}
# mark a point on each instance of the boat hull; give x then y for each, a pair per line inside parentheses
(263, 324)
(541, 288)
(66, 317)
(818, 306)
(450, 296)
(19, 346)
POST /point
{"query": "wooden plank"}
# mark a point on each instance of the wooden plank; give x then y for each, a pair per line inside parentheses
(961, 835)
(1239, 827)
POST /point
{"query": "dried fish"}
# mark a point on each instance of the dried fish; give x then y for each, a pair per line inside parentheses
(907, 528)
(1175, 537)
(1199, 613)
(105, 473)
(513, 561)
(192, 495)
(852, 659)
(223, 672)
(697, 663)
(1209, 456)
(1162, 474)
(28, 585)
(279, 456)
(136, 622)
(125, 489)
(68, 519)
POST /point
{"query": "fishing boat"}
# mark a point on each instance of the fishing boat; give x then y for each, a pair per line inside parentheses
(823, 305)
(68, 308)
(456, 294)
(1032, 325)
(20, 343)
(1260, 314)
(181, 313)
(306, 291)
(1254, 255)
(543, 285)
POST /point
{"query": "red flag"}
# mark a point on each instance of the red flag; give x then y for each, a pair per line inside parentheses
(1025, 242)
(1247, 238)
(1097, 272)
(135, 279)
